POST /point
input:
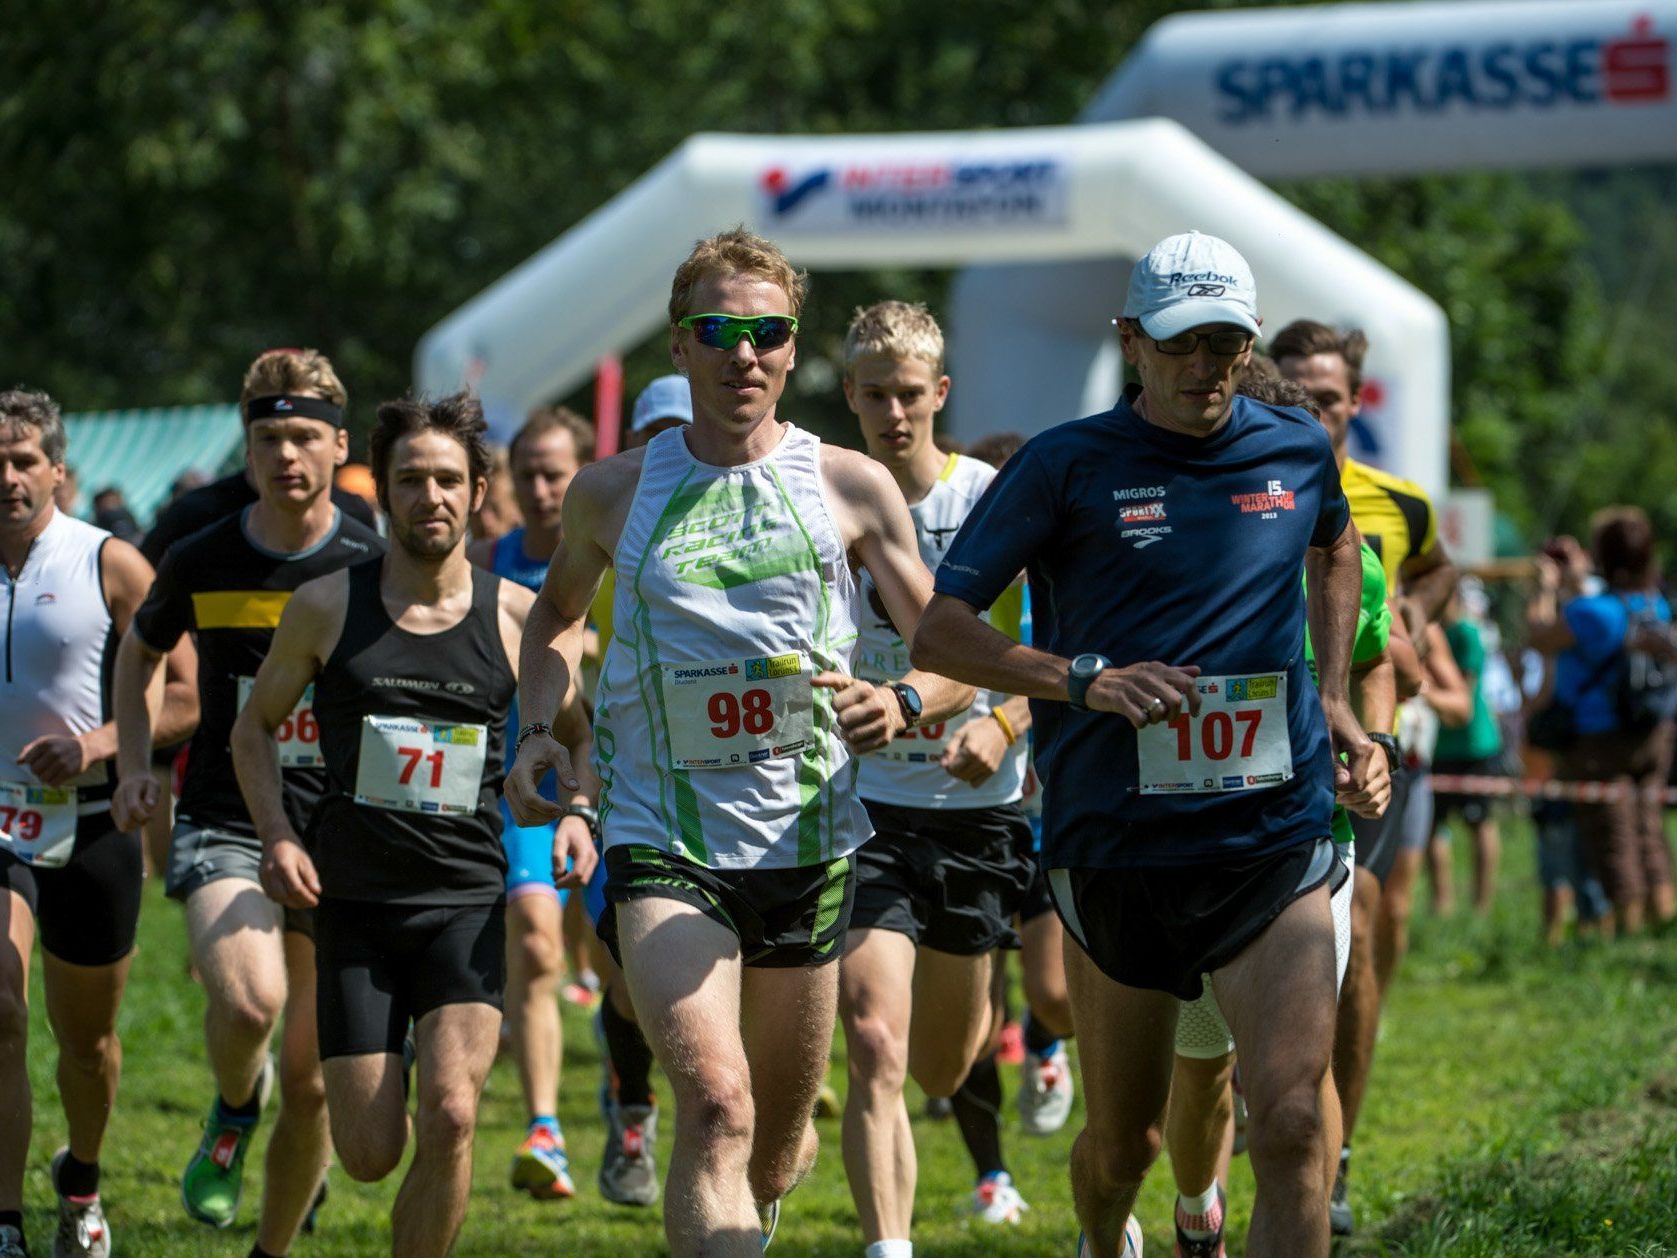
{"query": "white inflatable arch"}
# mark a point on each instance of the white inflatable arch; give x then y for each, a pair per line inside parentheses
(1351, 89)
(1067, 208)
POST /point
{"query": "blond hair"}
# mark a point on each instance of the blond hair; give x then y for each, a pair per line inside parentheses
(897, 329)
(295, 371)
(736, 252)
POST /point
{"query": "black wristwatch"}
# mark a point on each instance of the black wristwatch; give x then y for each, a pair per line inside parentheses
(1084, 669)
(909, 698)
(1394, 756)
(590, 816)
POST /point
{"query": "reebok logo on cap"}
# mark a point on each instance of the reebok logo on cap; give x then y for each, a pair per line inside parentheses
(1190, 281)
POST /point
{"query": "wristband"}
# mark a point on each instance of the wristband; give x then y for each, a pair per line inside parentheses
(1007, 726)
(534, 727)
(589, 814)
(1388, 744)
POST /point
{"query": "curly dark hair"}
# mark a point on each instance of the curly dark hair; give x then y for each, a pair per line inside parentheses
(24, 408)
(459, 415)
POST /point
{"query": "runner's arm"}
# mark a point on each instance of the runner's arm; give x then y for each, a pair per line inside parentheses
(1411, 673)
(1448, 691)
(1428, 581)
(1334, 579)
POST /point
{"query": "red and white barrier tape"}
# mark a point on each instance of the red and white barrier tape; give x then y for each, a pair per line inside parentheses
(1542, 788)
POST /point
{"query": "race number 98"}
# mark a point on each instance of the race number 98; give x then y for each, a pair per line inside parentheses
(751, 711)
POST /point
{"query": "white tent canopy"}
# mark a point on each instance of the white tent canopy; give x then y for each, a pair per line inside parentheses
(1083, 201)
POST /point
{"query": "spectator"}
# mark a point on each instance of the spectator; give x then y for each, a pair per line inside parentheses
(664, 403)
(1598, 638)
(111, 513)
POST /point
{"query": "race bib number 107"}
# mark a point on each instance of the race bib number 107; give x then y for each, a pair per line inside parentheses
(1238, 742)
(410, 765)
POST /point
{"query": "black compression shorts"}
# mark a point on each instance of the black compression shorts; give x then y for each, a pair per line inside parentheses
(379, 967)
(87, 910)
(950, 879)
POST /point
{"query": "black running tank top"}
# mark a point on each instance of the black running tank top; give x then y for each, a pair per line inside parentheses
(413, 732)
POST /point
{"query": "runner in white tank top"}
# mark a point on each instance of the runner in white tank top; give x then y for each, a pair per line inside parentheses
(66, 871)
(726, 725)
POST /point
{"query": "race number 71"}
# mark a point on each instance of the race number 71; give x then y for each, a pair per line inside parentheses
(1217, 733)
(414, 756)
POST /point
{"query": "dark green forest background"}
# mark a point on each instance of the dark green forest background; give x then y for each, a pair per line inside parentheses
(188, 182)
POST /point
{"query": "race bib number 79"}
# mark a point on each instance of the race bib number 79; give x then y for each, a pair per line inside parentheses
(38, 823)
(410, 765)
(1238, 742)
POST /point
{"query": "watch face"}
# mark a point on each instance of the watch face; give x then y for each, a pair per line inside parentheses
(1086, 665)
(912, 698)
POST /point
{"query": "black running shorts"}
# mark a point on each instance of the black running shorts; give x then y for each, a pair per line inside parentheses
(950, 879)
(88, 909)
(379, 967)
(1165, 928)
(783, 918)
(1379, 839)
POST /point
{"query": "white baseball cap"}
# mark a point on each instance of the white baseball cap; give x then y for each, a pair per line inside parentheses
(667, 397)
(1188, 281)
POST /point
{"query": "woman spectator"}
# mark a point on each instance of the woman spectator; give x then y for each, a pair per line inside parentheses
(1617, 739)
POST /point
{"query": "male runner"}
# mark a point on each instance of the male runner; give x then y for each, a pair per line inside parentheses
(411, 660)
(1399, 522)
(666, 402)
(228, 584)
(1190, 778)
(938, 884)
(725, 729)
(69, 590)
(1199, 1126)
(542, 459)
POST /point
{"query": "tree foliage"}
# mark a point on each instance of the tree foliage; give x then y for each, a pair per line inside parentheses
(192, 182)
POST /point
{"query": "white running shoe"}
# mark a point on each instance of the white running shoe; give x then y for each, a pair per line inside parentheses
(82, 1230)
(996, 1200)
(1045, 1091)
(1132, 1241)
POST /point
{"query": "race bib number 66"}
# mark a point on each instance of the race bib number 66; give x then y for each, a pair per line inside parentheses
(410, 765)
(1238, 742)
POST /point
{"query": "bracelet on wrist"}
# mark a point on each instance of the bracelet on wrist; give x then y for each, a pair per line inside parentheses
(1007, 726)
(589, 814)
(534, 727)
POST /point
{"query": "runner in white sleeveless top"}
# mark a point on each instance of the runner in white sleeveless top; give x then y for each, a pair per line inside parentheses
(725, 726)
(67, 590)
(950, 861)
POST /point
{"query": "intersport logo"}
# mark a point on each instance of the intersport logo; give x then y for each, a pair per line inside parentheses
(1631, 68)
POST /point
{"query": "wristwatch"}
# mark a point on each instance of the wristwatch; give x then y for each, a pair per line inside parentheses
(589, 815)
(909, 698)
(1084, 669)
(1394, 757)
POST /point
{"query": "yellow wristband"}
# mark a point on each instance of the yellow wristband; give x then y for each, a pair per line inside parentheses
(1007, 726)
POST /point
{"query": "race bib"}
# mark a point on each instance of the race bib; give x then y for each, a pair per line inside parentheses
(410, 765)
(1238, 742)
(298, 735)
(924, 744)
(726, 713)
(38, 823)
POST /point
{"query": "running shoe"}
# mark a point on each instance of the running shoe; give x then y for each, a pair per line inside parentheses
(996, 1200)
(628, 1173)
(1011, 1050)
(11, 1243)
(1132, 1241)
(82, 1230)
(1045, 1091)
(1208, 1241)
(1340, 1220)
(768, 1218)
(214, 1178)
(541, 1167)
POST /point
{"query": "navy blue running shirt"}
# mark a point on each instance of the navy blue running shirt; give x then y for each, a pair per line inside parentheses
(1146, 544)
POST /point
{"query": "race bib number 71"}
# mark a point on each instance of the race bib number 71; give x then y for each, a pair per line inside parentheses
(1238, 742)
(410, 765)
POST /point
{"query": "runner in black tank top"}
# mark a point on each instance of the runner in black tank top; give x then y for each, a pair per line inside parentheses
(432, 700)
(413, 662)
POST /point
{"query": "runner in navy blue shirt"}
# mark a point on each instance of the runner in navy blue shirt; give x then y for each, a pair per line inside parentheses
(1190, 777)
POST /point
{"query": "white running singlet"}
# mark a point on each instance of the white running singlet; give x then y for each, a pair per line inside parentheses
(733, 589)
(908, 772)
(56, 633)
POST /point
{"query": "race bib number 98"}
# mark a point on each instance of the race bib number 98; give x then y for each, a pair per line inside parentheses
(409, 765)
(38, 823)
(1238, 742)
(298, 736)
(727, 713)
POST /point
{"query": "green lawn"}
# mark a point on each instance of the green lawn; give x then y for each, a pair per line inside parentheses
(1524, 1102)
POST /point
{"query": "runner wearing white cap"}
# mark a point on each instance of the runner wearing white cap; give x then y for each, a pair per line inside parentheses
(665, 403)
(1190, 763)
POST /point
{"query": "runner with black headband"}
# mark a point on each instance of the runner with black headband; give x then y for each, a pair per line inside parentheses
(228, 583)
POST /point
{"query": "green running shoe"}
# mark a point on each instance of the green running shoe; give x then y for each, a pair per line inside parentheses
(214, 1178)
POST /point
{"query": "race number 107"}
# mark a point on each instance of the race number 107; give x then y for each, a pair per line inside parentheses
(1217, 733)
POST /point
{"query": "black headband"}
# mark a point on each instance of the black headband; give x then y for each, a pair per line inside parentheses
(289, 405)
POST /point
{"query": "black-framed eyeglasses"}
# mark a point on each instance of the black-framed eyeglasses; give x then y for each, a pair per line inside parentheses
(1225, 344)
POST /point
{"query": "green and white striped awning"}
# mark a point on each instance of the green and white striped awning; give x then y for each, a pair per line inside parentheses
(142, 451)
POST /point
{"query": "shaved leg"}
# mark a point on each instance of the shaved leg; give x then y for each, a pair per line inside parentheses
(17, 941)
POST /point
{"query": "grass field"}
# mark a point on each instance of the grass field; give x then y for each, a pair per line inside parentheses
(1524, 1103)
